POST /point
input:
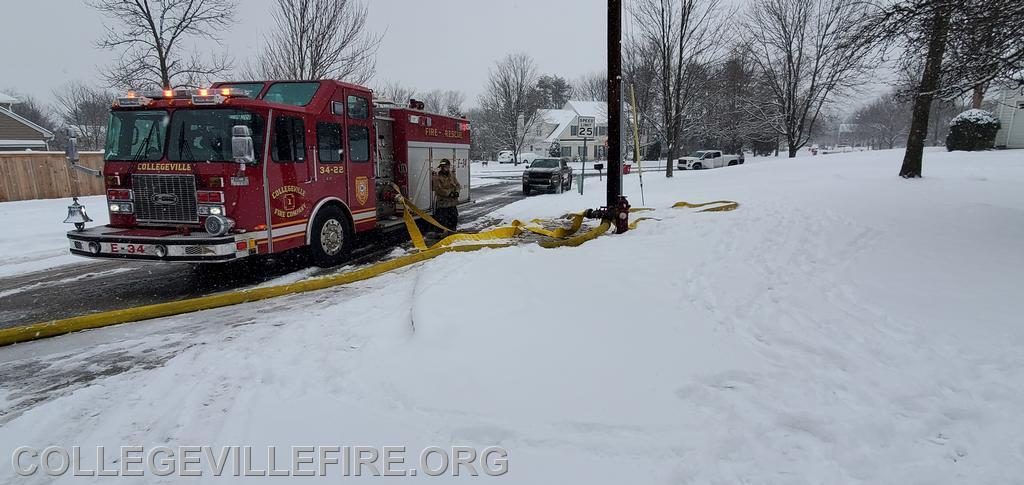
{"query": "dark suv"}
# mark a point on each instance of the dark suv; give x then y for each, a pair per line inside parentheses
(550, 174)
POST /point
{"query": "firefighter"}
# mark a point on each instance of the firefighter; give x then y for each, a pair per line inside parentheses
(446, 192)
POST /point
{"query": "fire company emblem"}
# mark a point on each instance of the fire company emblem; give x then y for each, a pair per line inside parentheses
(362, 189)
(288, 201)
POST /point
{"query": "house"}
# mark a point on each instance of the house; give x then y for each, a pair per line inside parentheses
(1010, 111)
(18, 133)
(561, 126)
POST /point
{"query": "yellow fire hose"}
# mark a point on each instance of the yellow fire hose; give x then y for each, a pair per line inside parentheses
(495, 238)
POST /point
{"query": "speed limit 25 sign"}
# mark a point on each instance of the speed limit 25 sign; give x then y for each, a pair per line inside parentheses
(586, 127)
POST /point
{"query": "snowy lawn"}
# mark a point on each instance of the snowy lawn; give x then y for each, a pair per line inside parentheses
(842, 326)
(34, 239)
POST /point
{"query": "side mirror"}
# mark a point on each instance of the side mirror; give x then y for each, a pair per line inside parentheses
(242, 150)
(71, 152)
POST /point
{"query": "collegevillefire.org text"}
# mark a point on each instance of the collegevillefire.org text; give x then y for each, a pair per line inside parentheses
(249, 461)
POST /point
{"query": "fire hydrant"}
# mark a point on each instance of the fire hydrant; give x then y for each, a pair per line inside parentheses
(621, 213)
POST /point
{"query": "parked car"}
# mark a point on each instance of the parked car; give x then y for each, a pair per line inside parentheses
(708, 159)
(548, 174)
(505, 156)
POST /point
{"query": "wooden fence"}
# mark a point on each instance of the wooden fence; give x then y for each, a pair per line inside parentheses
(46, 175)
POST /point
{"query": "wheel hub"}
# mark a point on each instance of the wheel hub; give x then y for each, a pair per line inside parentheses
(332, 237)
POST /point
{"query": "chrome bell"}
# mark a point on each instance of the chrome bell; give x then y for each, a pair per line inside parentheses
(77, 215)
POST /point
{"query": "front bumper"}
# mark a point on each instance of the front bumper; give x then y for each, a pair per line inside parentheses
(142, 245)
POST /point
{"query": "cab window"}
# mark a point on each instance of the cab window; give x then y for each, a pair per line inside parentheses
(328, 136)
(359, 143)
(358, 108)
(289, 139)
(296, 94)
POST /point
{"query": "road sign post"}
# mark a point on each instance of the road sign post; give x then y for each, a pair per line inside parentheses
(584, 130)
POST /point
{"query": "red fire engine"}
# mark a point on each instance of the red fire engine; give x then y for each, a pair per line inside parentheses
(240, 169)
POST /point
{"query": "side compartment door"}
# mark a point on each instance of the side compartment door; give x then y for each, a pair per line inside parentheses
(359, 159)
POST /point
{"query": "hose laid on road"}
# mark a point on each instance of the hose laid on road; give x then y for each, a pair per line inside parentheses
(561, 237)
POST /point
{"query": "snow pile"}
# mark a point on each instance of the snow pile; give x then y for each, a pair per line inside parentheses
(975, 117)
(35, 239)
(843, 326)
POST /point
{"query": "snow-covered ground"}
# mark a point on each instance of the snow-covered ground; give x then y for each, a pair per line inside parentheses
(842, 326)
(34, 239)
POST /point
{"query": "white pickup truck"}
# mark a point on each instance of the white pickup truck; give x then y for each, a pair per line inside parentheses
(708, 159)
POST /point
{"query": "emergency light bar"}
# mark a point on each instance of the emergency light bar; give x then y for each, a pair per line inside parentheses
(216, 96)
(199, 97)
(133, 101)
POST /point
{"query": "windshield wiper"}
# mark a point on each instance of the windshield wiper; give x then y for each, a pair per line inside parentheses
(145, 146)
(185, 149)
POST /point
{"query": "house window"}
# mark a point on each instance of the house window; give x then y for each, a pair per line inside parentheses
(582, 152)
(539, 129)
(566, 151)
(602, 130)
(289, 139)
(328, 136)
(574, 130)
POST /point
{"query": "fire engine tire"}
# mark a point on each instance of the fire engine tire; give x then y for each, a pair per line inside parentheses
(331, 241)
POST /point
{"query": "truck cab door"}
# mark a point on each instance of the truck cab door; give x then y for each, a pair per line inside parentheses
(359, 158)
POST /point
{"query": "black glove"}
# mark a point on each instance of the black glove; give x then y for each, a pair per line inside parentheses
(454, 194)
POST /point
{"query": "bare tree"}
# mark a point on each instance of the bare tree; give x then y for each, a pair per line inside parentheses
(591, 87)
(445, 102)
(319, 39)
(153, 35)
(685, 36)
(807, 53)
(951, 47)
(396, 92)
(883, 121)
(640, 72)
(83, 110)
(510, 102)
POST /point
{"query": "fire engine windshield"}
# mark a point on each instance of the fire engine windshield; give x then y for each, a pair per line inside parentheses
(204, 135)
(136, 135)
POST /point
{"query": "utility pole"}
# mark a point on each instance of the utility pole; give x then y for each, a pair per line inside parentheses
(617, 206)
(616, 209)
(614, 102)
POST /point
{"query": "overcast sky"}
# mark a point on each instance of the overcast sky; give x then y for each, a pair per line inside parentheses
(448, 44)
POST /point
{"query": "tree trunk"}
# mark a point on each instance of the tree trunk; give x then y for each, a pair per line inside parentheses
(978, 97)
(925, 93)
(792, 150)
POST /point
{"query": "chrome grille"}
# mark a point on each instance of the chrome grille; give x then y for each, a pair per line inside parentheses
(165, 198)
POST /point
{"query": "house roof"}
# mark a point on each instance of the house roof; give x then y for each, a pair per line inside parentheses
(7, 99)
(15, 127)
(561, 118)
(596, 109)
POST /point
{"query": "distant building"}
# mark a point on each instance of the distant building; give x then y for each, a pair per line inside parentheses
(1010, 111)
(561, 126)
(18, 133)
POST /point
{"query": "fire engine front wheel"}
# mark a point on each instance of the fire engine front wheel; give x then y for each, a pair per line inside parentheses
(332, 236)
